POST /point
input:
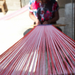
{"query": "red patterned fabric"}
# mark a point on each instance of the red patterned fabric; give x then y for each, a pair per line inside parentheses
(43, 11)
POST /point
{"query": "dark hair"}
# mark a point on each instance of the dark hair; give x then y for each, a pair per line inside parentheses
(45, 0)
(48, 0)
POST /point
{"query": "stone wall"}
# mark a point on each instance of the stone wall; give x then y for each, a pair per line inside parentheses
(24, 2)
(63, 2)
(13, 4)
(61, 18)
(16, 4)
(69, 20)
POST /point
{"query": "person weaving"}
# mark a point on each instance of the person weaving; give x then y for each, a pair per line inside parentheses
(44, 11)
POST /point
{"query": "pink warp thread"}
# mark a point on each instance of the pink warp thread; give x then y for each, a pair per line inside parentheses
(43, 51)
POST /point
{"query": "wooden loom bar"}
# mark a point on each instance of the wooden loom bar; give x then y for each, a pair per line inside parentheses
(43, 51)
(56, 25)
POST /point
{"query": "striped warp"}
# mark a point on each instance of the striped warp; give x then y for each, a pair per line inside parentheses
(16, 13)
(43, 51)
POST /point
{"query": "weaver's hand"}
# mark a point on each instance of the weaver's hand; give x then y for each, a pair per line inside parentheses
(37, 22)
(45, 22)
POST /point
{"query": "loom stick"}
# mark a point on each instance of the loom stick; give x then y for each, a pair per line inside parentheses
(56, 25)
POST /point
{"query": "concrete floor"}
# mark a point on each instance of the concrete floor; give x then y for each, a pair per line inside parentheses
(13, 29)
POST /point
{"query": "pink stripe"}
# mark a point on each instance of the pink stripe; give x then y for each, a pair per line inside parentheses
(20, 11)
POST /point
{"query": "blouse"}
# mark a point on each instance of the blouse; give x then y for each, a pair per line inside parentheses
(44, 11)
